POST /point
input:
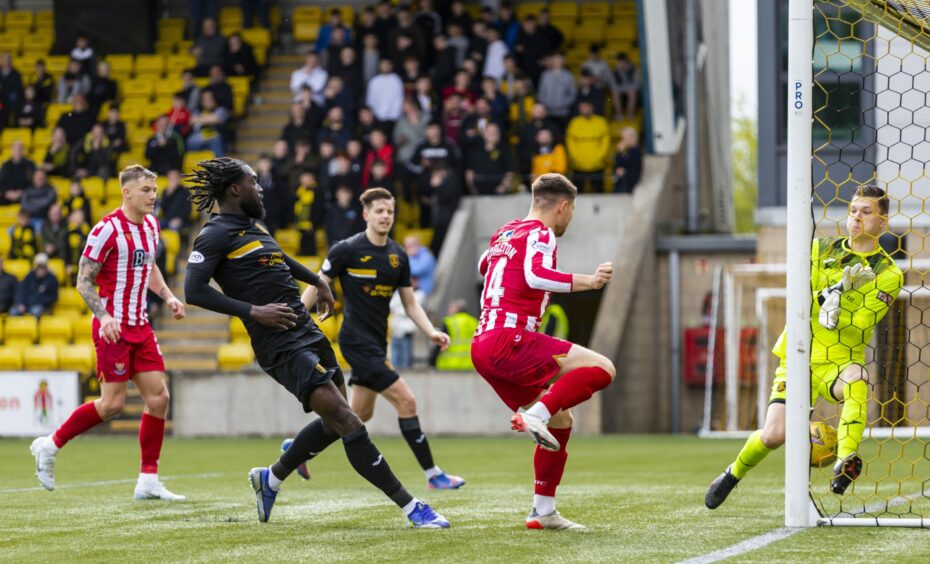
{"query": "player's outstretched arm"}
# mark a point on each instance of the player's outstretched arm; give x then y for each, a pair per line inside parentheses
(602, 275)
(160, 288)
(86, 286)
(418, 316)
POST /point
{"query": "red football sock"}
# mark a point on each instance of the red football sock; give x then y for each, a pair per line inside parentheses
(81, 419)
(549, 465)
(151, 436)
(575, 387)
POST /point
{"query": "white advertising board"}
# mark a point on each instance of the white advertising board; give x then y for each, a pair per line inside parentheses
(36, 403)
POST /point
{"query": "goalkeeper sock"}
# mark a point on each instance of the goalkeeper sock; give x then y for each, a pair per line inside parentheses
(549, 466)
(853, 417)
(575, 387)
(754, 451)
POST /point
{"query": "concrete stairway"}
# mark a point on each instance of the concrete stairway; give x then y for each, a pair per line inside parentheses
(270, 109)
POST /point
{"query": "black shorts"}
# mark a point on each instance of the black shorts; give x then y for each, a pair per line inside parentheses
(370, 366)
(304, 370)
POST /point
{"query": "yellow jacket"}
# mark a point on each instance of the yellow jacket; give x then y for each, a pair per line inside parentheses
(588, 140)
(551, 162)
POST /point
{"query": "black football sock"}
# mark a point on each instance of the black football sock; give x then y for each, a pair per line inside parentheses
(309, 442)
(370, 464)
(416, 438)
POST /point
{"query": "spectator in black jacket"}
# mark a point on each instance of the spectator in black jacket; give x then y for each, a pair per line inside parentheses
(553, 38)
(115, 130)
(165, 149)
(37, 199)
(531, 48)
(8, 284)
(38, 291)
(240, 59)
(489, 165)
(15, 175)
(58, 155)
(43, 82)
(11, 90)
(297, 128)
(445, 193)
(78, 230)
(209, 48)
(334, 129)
(343, 217)
(77, 123)
(174, 206)
(628, 163)
(276, 194)
(590, 91)
(55, 233)
(103, 89)
(93, 156)
(222, 91)
(527, 146)
(31, 113)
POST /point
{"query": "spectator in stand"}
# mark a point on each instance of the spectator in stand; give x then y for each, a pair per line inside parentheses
(73, 82)
(221, 90)
(312, 75)
(410, 72)
(340, 172)
(179, 116)
(314, 113)
(93, 156)
(344, 218)
(590, 91)
(461, 85)
(627, 82)
(102, 88)
(24, 243)
(476, 123)
(557, 89)
(11, 89)
(43, 82)
(55, 233)
(326, 31)
(189, 90)
(385, 21)
(304, 160)
(78, 230)
(308, 203)
(422, 263)
(355, 151)
(490, 91)
(350, 71)
(433, 152)
(370, 58)
(380, 177)
(240, 58)
(426, 96)
(598, 67)
(15, 174)
(478, 42)
(489, 165)
(337, 95)
(31, 113)
(380, 150)
(296, 128)
(280, 161)
(445, 193)
(512, 75)
(83, 53)
(277, 195)
(458, 42)
(365, 24)
(549, 157)
(454, 116)
(58, 155)
(164, 149)
(256, 8)
(494, 56)
(628, 162)
(507, 24)
(209, 48)
(208, 124)
(428, 20)
(38, 291)
(458, 16)
(385, 93)
(403, 328)
(444, 68)
(78, 121)
(408, 28)
(37, 199)
(409, 132)
(76, 201)
(174, 207)
(552, 37)
(588, 142)
(522, 101)
(8, 284)
(334, 129)
(115, 130)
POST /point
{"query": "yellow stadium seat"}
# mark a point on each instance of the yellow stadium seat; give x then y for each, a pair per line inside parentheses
(137, 137)
(40, 357)
(120, 64)
(257, 37)
(79, 358)
(165, 46)
(45, 18)
(348, 14)
(11, 43)
(38, 42)
(55, 111)
(8, 214)
(312, 14)
(526, 8)
(26, 63)
(150, 64)
(61, 185)
(11, 358)
(168, 24)
(138, 89)
(17, 267)
(171, 34)
(42, 137)
(595, 11)
(131, 112)
(234, 356)
(167, 87)
(57, 267)
(176, 64)
(54, 330)
(289, 239)
(69, 298)
(135, 156)
(191, 158)
(83, 329)
(239, 84)
(56, 64)
(237, 332)
(172, 240)
(306, 31)
(565, 25)
(112, 188)
(563, 10)
(18, 19)
(93, 188)
(12, 134)
(589, 32)
(20, 330)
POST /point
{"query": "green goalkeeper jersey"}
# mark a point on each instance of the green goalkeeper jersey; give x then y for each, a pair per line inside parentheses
(860, 309)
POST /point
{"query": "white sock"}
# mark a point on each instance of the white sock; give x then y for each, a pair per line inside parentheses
(50, 445)
(430, 472)
(408, 509)
(145, 478)
(544, 504)
(273, 482)
(540, 411)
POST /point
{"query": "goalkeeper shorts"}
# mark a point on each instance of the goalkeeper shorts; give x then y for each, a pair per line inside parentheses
(823, 376)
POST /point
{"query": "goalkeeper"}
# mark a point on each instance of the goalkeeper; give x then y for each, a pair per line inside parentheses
(853, 282)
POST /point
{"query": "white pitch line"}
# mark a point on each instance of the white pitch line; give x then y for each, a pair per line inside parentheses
(106, 483)
(747, 545)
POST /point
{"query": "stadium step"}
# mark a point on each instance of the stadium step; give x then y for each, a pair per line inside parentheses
(257, 144)
(191, 334)
(185, 349)
(191, 364)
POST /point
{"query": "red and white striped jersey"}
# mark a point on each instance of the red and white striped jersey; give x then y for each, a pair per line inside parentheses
(519, 270)
(127, 252)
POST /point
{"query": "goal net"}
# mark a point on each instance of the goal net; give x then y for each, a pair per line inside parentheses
(859, 114)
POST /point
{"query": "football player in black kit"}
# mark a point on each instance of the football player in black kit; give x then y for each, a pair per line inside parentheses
(370, 267)
(258, 286)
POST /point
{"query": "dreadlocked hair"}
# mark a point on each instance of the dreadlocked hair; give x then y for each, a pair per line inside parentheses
(208, 183)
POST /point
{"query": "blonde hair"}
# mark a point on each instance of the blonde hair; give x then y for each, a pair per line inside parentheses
(135, 172)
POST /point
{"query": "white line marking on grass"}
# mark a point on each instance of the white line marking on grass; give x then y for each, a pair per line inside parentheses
(747, 545)
(107, 483)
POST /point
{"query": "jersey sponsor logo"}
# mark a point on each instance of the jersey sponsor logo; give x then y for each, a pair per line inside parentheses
(885, 297)
(140, 258)
(365, 258)
(272, 259)
(542, 247)
(394, 260)
(195, 258)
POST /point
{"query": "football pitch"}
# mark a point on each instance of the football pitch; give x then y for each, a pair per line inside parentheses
(641, 497)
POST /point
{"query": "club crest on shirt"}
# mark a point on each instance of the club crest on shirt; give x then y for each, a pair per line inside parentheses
(505, 235)
(394, 260)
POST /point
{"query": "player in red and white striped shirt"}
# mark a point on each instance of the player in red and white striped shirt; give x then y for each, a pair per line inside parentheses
(542, 374)
(120, 259)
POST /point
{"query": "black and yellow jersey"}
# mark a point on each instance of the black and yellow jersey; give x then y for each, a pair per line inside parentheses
(368, 274)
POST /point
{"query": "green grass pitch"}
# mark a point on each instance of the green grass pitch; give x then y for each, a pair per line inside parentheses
(641, 497)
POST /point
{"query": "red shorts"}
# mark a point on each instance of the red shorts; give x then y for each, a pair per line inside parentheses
(517, 363)
(136, 351)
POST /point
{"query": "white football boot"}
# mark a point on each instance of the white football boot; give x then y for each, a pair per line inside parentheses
(536, 428)
(150, 487)
(44, 451)
(553, 521)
